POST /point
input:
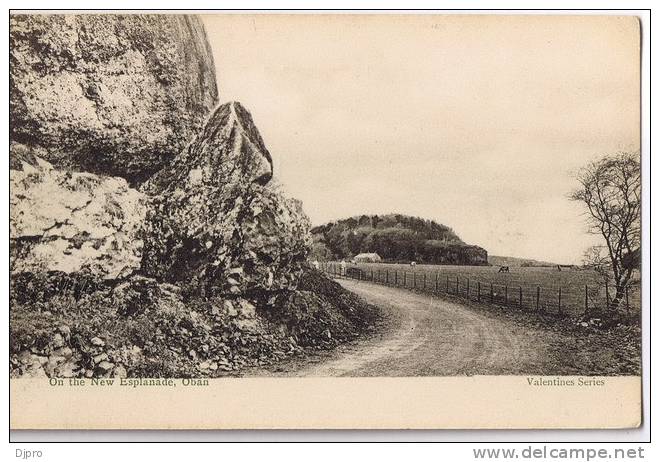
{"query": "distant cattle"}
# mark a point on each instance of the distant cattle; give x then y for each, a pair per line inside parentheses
(503, 269)
(413, 264)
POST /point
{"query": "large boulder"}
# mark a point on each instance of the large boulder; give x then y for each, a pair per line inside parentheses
(72, 222)
(217, 219)
(110, 94)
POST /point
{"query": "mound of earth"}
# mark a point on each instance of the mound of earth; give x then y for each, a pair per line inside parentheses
(62, 327)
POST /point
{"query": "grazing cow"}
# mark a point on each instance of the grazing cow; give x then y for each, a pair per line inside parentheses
(503, 269)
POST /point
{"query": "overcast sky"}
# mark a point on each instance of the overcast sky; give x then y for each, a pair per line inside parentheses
(475, 122)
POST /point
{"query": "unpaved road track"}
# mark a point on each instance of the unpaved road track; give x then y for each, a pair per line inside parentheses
(429, 336)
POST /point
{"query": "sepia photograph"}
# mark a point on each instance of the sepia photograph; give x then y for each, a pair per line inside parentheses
(257, 200)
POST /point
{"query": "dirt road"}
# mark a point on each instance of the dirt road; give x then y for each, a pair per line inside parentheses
(429, 336)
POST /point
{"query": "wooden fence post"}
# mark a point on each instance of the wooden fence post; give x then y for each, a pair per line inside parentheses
(467, 290)
(387, 277)
(559, 304)
(436, 281)
(586, 299)
(424, 281)
(538, 296)
(491, 292)
(457, 285)
(520, 302)
(404, 278)
(479, 291)
(627, 302)
(607, 295)
(396, 277)
(506, 295)
(447, 289)
(414, 280)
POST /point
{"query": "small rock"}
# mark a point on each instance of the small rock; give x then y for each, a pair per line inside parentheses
(65, 331)
(36, 372)
(236, 271)
(56, 360)
(24, 356)
(65, 351)
(100, 358)
(248, 310)
(105, 366)
(97, 342)
(229, 307)
(58, 341)
(66, 370)
(120, 372)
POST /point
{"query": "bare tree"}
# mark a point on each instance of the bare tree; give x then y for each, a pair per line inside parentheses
(611, 190)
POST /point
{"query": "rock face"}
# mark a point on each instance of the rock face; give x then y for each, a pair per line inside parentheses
(217, 220)
(70, 221)
(147, 238)
(109, 94)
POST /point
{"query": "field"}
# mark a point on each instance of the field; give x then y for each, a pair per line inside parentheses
(569, 291)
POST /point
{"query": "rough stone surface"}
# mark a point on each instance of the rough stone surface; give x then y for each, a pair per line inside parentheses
(139, 294)
(197, 270)
(216, 218)
(70, 221)
(112, 94)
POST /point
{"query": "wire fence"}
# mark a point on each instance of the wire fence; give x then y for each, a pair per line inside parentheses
(569, 296)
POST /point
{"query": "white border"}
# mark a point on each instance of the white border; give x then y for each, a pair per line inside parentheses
(454, 452)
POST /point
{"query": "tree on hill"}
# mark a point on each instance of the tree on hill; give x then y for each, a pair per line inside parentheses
(395, 238)
(611, 191)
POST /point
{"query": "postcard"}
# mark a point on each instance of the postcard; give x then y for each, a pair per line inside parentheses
(353, 221)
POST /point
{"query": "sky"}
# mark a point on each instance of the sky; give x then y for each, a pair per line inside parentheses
(477, 122)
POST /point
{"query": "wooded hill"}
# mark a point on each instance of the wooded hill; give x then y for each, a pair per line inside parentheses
(396, 238)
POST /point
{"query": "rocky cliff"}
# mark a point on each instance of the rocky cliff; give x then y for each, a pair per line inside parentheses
(119, 95)
(72, 221)
(218, 219)
(147, 235)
